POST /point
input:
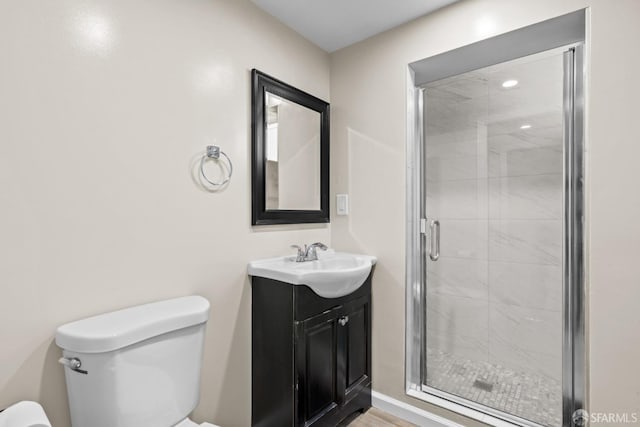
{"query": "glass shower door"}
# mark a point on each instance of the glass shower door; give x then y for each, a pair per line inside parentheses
(493, 203)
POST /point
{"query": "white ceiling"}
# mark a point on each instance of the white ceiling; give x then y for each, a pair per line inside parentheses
(334, 24)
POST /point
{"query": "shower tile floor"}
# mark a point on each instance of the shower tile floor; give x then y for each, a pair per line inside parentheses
(534, 397)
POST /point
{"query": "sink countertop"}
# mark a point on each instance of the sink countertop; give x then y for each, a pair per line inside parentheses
(333, 275)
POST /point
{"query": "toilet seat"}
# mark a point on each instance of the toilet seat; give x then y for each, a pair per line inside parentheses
(188, 423)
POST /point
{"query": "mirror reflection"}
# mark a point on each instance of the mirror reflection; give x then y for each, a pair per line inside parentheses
(289, 154)
(292, 155)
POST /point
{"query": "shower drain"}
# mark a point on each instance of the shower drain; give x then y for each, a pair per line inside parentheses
(483, 385)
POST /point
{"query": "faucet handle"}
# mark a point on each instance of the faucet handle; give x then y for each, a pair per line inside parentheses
(301, 252)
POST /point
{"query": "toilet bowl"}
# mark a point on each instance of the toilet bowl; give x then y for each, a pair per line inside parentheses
(136, 367)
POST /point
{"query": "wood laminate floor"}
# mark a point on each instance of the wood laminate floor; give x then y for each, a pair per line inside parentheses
(376, 418)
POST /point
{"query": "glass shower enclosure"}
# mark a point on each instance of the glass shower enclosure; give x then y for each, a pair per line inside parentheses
(499, 247)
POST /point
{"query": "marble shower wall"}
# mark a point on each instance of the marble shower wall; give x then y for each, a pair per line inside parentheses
(495, 295)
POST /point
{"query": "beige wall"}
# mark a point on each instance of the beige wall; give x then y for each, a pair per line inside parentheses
(368, 86)
(104, 107)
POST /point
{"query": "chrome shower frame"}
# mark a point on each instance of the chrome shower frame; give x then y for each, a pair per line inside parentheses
(574, 355)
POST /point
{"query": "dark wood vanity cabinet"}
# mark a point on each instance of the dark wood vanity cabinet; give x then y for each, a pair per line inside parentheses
(311, 356)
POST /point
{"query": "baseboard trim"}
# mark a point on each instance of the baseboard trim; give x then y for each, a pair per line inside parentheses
(409, 413)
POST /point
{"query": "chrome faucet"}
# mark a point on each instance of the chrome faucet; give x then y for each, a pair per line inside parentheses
(309, 253)
(301, 252)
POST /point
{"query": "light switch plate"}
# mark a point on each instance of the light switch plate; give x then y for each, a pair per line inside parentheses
(342, 204)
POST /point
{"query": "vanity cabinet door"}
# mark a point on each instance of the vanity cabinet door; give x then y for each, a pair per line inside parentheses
(357, 345)
(311, 356)
(320, 367)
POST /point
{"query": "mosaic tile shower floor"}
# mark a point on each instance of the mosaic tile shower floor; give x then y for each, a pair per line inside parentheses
(533, 397)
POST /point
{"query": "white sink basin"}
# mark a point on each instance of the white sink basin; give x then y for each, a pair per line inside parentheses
(333, 275)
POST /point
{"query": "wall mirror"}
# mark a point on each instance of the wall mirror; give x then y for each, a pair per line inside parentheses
(290, 154)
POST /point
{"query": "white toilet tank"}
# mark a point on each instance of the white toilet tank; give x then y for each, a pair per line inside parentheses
(139, 367)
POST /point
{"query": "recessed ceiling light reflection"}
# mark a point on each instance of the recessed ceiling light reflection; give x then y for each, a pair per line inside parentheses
(509, 83)
(485, 26)
(524, 127)
(93, 32)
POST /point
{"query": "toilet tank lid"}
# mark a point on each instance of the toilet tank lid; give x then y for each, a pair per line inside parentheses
(118, 329)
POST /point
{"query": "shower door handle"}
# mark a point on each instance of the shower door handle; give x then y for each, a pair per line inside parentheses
(434, 251)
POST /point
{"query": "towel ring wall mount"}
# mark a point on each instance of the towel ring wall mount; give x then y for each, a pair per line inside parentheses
(214, 152)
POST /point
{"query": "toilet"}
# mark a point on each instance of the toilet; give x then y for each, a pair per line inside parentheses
(137, 367)
(24, 414)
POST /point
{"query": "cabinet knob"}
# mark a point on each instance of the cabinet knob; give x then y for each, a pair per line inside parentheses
(343, 320)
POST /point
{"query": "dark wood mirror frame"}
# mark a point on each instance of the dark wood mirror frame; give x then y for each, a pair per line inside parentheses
(259, 214)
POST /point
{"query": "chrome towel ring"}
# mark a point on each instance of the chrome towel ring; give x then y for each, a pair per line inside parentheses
(214, 152)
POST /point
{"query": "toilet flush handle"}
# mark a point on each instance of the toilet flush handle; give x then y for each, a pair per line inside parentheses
(72, 363)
